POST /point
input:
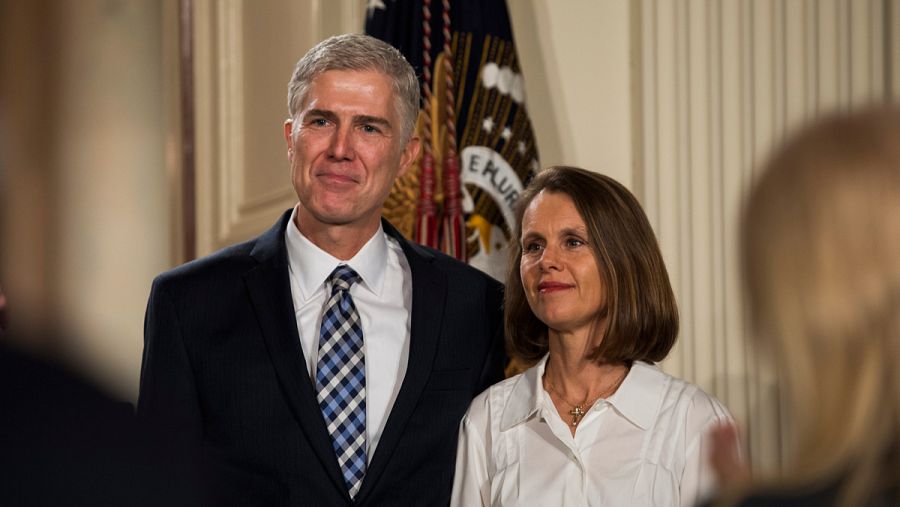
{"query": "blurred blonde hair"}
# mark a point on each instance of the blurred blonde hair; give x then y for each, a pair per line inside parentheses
(821, 265)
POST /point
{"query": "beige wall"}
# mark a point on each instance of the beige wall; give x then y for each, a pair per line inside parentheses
(576, 59)
(85, 194)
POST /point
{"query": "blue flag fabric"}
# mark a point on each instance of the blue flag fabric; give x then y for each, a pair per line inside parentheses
(496, 145)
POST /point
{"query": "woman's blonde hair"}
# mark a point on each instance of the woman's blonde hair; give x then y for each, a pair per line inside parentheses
(821, 265)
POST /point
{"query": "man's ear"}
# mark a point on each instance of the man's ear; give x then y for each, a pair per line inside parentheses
(289, 137)
(410, 154)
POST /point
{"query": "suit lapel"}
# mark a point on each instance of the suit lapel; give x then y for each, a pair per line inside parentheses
(270, 293)
(429, 293)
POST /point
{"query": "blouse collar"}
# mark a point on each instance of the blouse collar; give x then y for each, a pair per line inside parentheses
(637, 399)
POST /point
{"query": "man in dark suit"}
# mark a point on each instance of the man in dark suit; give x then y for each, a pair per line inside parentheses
(328, 361)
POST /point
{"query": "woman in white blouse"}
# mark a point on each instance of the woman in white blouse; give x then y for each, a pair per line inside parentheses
(594, 421)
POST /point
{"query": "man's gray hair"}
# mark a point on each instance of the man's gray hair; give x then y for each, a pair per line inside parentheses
(358, 52)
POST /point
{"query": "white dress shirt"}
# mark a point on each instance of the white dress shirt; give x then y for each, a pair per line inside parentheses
(383, 298)
(644, 445)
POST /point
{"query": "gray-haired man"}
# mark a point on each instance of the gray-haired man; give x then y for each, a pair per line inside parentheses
(328, 361)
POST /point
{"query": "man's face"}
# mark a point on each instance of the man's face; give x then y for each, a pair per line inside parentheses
(348, 148)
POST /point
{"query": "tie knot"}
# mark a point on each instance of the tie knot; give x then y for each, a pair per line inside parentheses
(342, 278)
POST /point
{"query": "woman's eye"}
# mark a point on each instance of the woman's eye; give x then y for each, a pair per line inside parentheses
(574, 242)
(532, 247)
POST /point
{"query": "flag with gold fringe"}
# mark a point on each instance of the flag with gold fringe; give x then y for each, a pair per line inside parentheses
(478, 145)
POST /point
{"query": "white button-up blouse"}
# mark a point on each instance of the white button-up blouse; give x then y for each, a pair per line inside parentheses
(644, 445)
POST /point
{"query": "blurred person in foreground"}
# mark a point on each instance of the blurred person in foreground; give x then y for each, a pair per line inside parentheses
(821, 267)
(328, 361)
(594, 421)
(63, 440)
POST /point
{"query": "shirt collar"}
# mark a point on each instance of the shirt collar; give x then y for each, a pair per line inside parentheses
(637, 399)
(526, 397)
(311, 265)
(639, 396)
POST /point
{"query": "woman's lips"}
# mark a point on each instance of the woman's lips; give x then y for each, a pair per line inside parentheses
(547, 287)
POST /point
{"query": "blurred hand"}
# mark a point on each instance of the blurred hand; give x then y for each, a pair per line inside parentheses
(725, 456)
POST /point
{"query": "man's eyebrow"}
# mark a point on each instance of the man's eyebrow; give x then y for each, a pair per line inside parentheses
(378, 120)
(321, 113)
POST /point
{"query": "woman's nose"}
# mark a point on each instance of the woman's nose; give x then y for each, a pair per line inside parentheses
(549, 258)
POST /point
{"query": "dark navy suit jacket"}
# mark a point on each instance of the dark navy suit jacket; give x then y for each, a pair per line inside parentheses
(223, 370)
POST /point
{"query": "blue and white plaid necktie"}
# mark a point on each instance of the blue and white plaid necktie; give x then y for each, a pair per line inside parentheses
(341, 378)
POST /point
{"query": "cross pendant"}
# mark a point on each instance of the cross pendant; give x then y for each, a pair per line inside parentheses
(576, 414)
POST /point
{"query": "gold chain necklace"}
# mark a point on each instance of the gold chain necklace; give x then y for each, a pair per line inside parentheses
(579, 409)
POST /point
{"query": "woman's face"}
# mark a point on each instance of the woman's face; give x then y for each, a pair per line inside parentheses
(559, 270)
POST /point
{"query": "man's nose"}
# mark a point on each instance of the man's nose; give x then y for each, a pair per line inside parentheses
(341, 146)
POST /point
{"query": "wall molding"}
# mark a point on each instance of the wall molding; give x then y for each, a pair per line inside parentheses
(243, 181)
